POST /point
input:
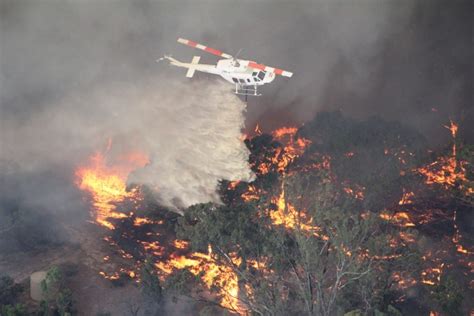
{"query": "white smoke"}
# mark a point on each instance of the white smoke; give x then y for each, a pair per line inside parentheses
(196, 141)
(190, 130)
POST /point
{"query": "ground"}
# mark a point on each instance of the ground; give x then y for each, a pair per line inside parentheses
(92, 293)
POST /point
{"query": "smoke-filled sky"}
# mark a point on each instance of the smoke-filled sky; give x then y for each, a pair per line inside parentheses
(403, 60)
(398, 59)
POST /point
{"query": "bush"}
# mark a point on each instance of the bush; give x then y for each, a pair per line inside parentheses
(448, 296)
(10, 310)
(8, 290)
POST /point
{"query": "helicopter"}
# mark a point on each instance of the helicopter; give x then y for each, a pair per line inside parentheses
(246, 75)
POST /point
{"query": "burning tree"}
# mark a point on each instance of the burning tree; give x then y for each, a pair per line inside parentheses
(302, 265)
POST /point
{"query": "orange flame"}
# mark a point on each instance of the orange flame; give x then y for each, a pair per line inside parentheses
(400, 219)
(406, 198)
(447, 171)
(213, 274)
(107, 184)
(287, 216)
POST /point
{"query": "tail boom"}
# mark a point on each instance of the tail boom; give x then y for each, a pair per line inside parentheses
(192, 67)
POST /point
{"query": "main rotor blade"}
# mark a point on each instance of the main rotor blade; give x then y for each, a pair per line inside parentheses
(257, 66)
(204, 48)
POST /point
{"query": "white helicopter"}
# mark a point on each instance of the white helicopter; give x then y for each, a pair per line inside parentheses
(247, 75)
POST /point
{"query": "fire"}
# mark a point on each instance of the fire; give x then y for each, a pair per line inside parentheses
(407, 238)
(232, 185)
(292, 150)
(406, 198)
(117, 275)
(281, 157)
(399, 218)
(257, 130)
(283, 131)
(357, 192)
(153, 247)
(107, 185)
(287, 216)
(453, 128)
(251, 194)
(212, 274)
(447, 171)
(432, 276)
(139, 221)
(180, 244)
(403, 282)
(457, 237)
(284, 156)
(279, 217)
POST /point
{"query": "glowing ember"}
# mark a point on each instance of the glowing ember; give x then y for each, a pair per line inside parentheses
(153, 247)
(357, 192)
(180, 244)
(402, 281)
(232, 185)
(432, 276)
(407, 238)
(251, 194)
(406, 198)
(117, 275)
(400, 219)
(457, 237)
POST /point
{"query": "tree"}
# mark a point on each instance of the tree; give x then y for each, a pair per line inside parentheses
(304, 266)
(379, 151)
(150, 281)
(448, 296)
(57, 297)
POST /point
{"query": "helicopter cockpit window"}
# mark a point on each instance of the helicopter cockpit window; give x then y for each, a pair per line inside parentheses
(242, 80)
(235, 80)
(254, 74)
(261, 75)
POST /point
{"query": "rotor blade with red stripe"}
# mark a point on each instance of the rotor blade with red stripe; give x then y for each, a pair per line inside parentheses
(257, 66)
(204, 48)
